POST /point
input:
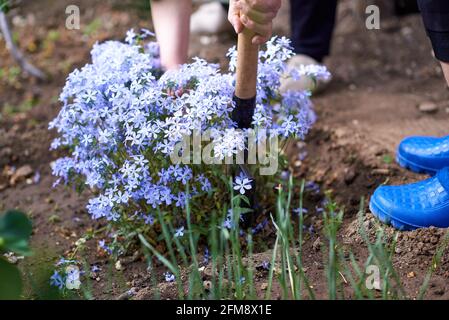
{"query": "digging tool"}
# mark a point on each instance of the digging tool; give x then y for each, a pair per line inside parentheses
(245, 101)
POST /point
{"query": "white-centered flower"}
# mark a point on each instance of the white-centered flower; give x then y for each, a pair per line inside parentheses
(242, 184)
(72, 281)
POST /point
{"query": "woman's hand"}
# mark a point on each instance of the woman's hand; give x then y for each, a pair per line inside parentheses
(255, 15)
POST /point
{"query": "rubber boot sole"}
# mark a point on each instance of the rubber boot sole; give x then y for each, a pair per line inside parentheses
(409, 165)
(387, 219)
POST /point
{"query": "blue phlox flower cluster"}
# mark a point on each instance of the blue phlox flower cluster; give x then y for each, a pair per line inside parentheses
(122, 117)
(67, 275)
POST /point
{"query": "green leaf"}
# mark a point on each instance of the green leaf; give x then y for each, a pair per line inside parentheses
(387, 159)
(15, 232)
(10, 281)
(4, 5)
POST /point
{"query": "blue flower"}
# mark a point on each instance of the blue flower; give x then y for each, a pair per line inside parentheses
(95, 269)
(319, 209)
(169, 277)
(300, 211)
(146, 33)
(260, 226)
(63, 261)
(229, 222)
(130, 36)
(206, 256)
(148, 219)
(311, 229)
(102, 245)
(242, 183)
(179, 232)
(312, 186)
(37, 177)
(205, 183)
(73, 277)
(89, 96)
(265, 265)
(131, 292)
(56, 280)
(302, 155)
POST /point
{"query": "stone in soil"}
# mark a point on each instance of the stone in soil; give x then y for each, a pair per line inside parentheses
(21, 174)
(350, 175)
(428, 107)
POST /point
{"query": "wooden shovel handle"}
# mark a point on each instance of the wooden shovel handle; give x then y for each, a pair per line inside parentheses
(247, 61)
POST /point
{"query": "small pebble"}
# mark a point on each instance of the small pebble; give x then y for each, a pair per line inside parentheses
(428, 107)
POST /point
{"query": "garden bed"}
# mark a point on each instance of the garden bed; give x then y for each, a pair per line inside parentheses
(380, 79)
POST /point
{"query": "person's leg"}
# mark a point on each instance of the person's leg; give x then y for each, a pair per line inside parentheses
(225, 5)
(445, 67)
(425, 203)
(435, 14)
(404, 7)
(312, 25)
(211, 18)
(424, 153)
(171, 20)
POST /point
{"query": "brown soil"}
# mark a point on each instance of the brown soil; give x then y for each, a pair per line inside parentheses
(380, 78)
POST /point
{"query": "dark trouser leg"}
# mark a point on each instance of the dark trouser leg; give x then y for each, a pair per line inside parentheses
(225, 5)
(403, 7)
(312, 26)
(435, 15)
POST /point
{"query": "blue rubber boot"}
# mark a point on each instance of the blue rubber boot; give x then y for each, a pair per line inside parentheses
(424, 154)
(418, 205)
